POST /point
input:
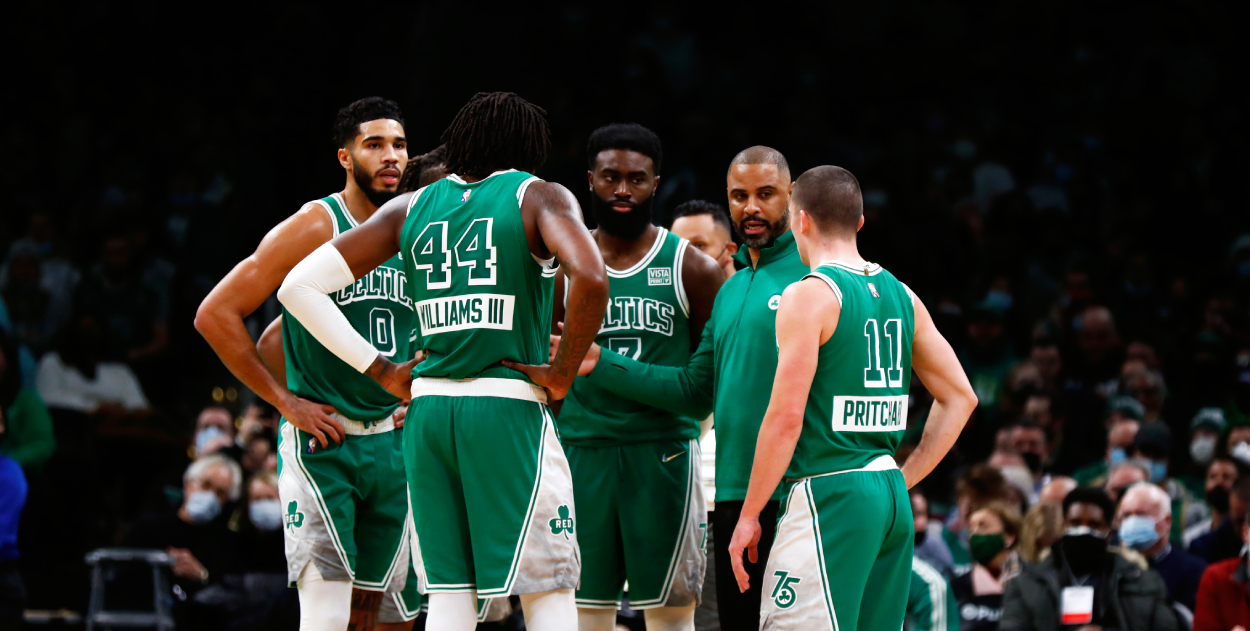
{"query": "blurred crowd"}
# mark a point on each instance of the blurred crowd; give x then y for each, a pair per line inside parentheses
(1065, 198)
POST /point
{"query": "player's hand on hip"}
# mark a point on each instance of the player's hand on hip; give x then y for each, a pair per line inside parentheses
(746, 537)
(557, 386)
(400, 414)
(313, 418)
(396, 378)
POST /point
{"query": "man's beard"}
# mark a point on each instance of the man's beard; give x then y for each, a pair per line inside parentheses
(364, 180)
(627, 225)
(765, 240)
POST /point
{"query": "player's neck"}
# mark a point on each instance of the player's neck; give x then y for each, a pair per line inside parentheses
(830, 249)
(619, 253)
(358, 203)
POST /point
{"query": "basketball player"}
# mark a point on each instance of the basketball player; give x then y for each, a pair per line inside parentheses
(340, 477)
(849, 335)
(734, 364)
(496, 514)
(636, 468)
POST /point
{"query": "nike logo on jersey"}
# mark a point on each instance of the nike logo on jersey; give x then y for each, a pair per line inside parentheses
(668, 458)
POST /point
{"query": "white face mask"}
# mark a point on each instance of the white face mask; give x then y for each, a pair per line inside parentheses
(1202, 449)
(265, 514)
(1077, 531)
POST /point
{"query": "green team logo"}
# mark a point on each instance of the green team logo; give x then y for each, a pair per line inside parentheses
(563, 523)
(294, 518)
(783, 593)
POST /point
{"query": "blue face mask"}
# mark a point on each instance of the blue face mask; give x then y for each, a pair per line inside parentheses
(266, 515)
(1118, 455)
(206, 436)
(1138, 532)
(203, 507)
(1158, 471)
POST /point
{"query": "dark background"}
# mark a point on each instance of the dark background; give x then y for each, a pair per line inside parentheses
(1064, 154)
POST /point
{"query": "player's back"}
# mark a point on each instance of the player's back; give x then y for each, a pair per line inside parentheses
(478, 293)
(377, 307)
(857, 408)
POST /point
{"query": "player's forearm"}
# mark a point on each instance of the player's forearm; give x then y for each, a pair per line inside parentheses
(946, 421)
(227, 335)
(779, 434)
(684, 390)
(304, 294)
(588, 299)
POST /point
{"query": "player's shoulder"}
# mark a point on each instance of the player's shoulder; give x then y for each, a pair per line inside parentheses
(812, 292)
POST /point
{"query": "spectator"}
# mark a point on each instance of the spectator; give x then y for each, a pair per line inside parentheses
(1056, 489)
(1224, 594)
(1124, 475)
(1045, 355)
(1042, 527)
(28, 302)
(1145, 521)
(1123, 423)
(930, 547)
(980, 484)
(1204, 438)
(995, 529)
(1100, 350)
(1031, 443)
(1225, 542)
(77, 377)
(1152, 445)
(29, 440)
(214, 433)
(12, 500)
(1126, 595)
(196, 536)
(1220, 477)
(259, 578)
(1237, 435)
(987, 357)
(131, 315)
(931, 604)
(1148, 387)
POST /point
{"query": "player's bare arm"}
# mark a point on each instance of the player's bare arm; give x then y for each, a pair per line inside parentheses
(220, 317)
(939, 370)
(271, 352)
(701, 278)
(806, 318)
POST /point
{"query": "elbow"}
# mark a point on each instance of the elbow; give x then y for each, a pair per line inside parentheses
(204, 321)
(969, 400)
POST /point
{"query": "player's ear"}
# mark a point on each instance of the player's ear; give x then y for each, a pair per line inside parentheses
(731, 248)
(590, 180)
(861, 224)
(345, 158)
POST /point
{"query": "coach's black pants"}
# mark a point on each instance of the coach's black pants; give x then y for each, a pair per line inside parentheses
(739, 611)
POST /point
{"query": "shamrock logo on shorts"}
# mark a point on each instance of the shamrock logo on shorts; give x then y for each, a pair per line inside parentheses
(294, 518)
(563, 523)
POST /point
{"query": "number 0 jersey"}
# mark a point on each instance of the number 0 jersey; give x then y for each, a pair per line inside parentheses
(646, 320)
(478, 293)
(857, 408)
(379, 309)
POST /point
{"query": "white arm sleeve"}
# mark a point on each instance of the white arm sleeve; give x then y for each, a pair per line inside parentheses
(303, 293)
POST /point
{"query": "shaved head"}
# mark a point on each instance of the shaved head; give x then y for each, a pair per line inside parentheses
(759, 154)
(831, 196)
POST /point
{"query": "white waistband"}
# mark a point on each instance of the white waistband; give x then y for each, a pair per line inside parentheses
(880, 463)
(360, 428)
(482, 387)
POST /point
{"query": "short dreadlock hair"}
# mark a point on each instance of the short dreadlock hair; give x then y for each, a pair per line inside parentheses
(628, 136)
(495, 131)
(423, 170)
(347, 122)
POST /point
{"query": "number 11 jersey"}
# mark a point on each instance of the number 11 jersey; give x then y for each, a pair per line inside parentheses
(857, 408)
(479, 296)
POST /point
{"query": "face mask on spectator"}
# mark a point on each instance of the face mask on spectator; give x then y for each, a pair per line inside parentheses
(206, 436)
(203, 507)
(265, 514)
(1158, 471)
(920, 537)
(1138, 532)
(1083, 548)
(1217, 499)
(984, 548)
(1118, 455)
(1202, 449)
(1033, 461)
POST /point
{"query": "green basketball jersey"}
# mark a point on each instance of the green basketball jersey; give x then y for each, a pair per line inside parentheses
(857, 408)
(646, 320)
(480, 296)
(379, 309)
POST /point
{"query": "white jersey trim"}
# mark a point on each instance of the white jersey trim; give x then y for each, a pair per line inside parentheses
(413, 200)
(480, 387)
(679, 286)
(867, 269)
(346, 211)
(359, 428)
(828, 281)
(334, 222)
(459, 180)
(880, 463)
(646, 260)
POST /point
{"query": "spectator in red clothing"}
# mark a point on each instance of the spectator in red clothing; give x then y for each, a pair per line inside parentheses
(1224, 594)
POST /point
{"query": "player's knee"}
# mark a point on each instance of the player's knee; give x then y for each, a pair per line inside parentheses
(555, 610)
(323, 605)
(596, 619)
(670, 618)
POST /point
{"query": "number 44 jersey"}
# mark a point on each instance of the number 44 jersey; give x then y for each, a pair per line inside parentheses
(479, 296)
(857, 408)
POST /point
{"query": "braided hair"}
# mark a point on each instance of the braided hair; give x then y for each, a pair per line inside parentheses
(495, 131)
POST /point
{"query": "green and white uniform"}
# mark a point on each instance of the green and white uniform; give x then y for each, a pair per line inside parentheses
(637, 469)
(842, 558)
(496, 512)
(931, 604)
(347, 504)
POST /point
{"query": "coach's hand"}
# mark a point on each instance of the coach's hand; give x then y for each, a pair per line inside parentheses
(746, 537)
(313, 418)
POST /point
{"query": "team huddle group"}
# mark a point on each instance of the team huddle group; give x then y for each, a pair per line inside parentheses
(482, 398)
